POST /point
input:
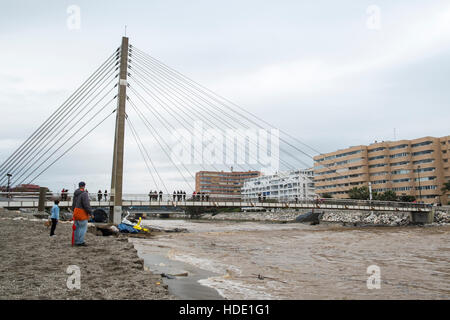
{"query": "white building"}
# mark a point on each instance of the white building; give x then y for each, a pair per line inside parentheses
(282, 186)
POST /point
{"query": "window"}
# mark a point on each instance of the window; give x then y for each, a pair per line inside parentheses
(421, 153)
(377, 165)
(377, 157)
(326, 172)
(401, 180)
(401, 189)
(379, 181)
(426, 188)
(424, 170)
(381, 190)
(376, 149)
(425, 179)
(399, 163)
(379, 173)
(423, 161)
(339, 155)
(348, 153)
(400, 146)
(400, 171)
(398, 155)
(421, 144)
(354, 160)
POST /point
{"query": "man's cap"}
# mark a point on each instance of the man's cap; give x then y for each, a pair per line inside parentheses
(81, 184)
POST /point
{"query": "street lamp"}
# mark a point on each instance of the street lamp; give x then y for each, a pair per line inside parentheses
(418, 179)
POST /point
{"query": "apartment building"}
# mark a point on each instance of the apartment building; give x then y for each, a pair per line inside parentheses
(282, 186)
(416, 167)
(222, 183)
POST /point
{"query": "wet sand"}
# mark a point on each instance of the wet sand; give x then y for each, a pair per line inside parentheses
(34, 266)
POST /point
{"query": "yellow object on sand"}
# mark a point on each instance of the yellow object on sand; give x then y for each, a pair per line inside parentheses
(138, 226)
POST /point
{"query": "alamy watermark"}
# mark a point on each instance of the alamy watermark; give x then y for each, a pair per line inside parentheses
(210, 146)
(374, 280)
(73, 21)
(74, 280)
(373, 21)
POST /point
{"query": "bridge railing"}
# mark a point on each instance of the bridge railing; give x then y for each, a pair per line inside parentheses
(139, 199)
(240, 199)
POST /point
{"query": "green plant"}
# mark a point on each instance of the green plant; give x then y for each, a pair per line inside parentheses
(361, 193)
(388, 195)
(446, 187)
(405, 198)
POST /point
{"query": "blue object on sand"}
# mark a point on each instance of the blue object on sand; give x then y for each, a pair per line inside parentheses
(126, 228)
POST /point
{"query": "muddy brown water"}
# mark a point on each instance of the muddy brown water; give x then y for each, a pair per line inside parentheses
(255, 260)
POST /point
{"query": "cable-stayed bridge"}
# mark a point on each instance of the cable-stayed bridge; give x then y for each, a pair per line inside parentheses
(135, 87)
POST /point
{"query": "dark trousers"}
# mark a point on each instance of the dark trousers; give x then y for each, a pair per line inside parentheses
(52, 230)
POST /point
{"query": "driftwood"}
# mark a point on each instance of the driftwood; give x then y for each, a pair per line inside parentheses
(173, 276)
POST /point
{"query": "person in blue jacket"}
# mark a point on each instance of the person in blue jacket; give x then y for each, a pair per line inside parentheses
(54, 217)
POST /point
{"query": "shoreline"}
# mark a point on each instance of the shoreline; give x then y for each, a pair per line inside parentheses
(37, 266)
(187, 287)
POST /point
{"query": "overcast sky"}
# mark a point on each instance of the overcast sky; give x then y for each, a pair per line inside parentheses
(332, 73)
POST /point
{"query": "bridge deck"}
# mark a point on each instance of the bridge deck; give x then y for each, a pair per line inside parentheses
(236, 204)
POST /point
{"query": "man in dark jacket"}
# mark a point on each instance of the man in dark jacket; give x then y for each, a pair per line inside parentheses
(81, 212)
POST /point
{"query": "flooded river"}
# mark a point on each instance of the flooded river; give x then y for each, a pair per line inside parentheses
(254, 260)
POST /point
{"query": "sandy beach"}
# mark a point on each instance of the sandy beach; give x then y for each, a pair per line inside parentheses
(34, 266)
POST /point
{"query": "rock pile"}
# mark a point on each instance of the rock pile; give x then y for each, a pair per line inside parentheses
(255, 216)
(367, 218)
(441, 217)
(344, 217)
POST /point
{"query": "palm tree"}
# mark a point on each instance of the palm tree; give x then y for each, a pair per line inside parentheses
(446, 187)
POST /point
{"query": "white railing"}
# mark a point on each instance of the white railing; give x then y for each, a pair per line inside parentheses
(134, 199)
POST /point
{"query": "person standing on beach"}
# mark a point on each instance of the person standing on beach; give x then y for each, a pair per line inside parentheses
(54, 217)
(81, 212)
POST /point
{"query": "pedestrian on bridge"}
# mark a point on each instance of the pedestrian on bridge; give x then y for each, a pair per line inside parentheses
(82, 211)
(174, 195)
(105, 195)
(184, 195)
(150, 195)
(160, 195)
(99, 195)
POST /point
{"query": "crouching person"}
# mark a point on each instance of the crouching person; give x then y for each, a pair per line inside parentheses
(81, 213)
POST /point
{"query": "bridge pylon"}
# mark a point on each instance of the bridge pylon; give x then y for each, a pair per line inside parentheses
(119, 138)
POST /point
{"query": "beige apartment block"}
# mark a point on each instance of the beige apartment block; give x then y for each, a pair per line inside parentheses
(416, 167)
(223, 183)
